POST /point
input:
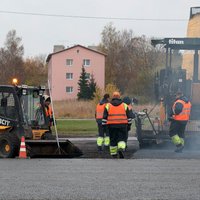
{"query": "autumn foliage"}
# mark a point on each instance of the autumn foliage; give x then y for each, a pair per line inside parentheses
(131, 65)
(32, 71)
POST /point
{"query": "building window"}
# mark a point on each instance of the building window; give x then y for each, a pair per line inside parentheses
(69, 62)
(87, 75)
(69, 89)
(86, 62)
(69, 76)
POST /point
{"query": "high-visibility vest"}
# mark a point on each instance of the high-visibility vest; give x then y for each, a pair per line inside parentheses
(49, 114)
(99, 110)
(48, 111)
(116, 114)
(185, 113)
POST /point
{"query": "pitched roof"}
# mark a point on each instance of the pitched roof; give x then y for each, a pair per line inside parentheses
(50, 55)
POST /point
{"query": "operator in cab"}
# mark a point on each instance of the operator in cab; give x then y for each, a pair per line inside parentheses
(48, 110)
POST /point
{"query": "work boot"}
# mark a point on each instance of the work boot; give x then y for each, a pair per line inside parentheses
(126, 149)
(114, 156)
(179, 148)
(121, 153)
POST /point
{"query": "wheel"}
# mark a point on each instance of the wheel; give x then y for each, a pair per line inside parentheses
(9, 145)
(142, 144)
(140, 134)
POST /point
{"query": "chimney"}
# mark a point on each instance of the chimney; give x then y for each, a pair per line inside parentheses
(93, 47)
(57, 48)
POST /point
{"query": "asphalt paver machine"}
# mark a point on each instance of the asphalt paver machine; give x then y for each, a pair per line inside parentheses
(168, 82)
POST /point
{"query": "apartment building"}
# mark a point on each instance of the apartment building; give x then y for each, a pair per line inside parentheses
(65, 66)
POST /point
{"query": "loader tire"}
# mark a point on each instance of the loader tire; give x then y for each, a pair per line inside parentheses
(9, 145)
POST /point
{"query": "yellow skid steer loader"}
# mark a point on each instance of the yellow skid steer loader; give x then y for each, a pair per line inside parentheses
(22, 113)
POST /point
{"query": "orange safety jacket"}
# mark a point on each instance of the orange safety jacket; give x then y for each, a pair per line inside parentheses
(48, 111)
(49, 114)
(117, 114)
(99, 110)
(185, 113)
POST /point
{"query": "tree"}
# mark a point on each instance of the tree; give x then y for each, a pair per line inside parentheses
(109, 45)
(92, 86)
(131, 61)
(83, 83)
(11, 59)
(35, 70)
(110, 88)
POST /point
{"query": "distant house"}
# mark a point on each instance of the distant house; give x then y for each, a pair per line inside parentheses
(65, 66)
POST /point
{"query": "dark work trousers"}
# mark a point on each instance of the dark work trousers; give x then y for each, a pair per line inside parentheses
(177, 128)
(117, 134)
(102, 130)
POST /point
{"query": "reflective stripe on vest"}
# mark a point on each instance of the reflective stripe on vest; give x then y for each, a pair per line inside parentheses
(185, 114)
(116, 114)
(99, 111)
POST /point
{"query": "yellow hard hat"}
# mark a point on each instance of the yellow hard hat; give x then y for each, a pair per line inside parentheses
(116, 94)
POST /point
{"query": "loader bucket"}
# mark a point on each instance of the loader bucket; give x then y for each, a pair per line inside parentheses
(50, 149)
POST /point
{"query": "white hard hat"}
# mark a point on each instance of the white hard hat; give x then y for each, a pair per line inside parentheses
(46, 97)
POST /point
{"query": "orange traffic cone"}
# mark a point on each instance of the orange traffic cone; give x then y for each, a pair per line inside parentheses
(22, 151)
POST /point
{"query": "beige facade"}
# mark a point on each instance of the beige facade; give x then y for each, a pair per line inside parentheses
(193, 31)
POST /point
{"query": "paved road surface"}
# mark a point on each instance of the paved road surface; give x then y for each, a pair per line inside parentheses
(89, 148)
(153, 173)
(152, 151)
(95, 179)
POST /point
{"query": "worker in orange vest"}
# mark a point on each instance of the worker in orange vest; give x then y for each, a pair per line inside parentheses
(48, 110)
(117, 117)
(179, 116)
(103, 138)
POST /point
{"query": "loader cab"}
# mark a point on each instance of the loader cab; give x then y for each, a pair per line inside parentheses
(22, 106)
(9, 104)
(11, 114)
(32, 106)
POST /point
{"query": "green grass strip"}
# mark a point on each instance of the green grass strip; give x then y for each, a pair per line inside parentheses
(73, 127)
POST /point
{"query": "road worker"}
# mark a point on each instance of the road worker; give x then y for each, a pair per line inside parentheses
(48, 110)
(44, 108)
(103, 138)
(127, 100)
(117, 117)
(179, 117)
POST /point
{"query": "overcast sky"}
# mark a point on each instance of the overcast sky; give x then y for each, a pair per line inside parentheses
(40, 33)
